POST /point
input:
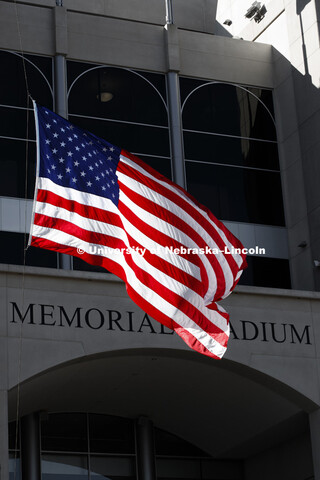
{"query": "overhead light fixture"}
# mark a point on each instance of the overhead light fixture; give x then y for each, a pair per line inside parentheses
(227, 22)
(104, 86)
(256, 12)
(260, 14)
(253, 9)
(105, 97)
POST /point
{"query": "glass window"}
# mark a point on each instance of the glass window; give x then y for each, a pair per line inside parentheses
(64, 467)
(227, 109)
(13, 123)
(62, 432)
(134, 138)
(12, 252)
(17, 119)
(266, 272)
(12, 84)
(231, 150)
(13, 168)
(236, 193)
(132, 97)
(111, 434)
(14, 466)
(113, 468)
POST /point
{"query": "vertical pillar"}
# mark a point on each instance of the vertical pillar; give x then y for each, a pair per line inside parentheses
(176, 128)
(314, 421)
(60, 82)
(175, 122)
(30, 447)
(169, 13)
(145, 449)
(4, 447)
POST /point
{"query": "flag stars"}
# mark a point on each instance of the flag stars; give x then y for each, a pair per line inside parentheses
(74, 180)
(97, 178)
(68, 170)
(48, 126)
(89, 184)
(69, 154)
(84, 158)
(76, 163)
(70, 139)
(53, 167)
(60, 176)
(62, 129)
(48, 141)
(55, 135)
(83, 174)
(77, 148)
(62, 144)
(54, 150)
(103, 188)
(61, 160)
(97, 164)
(90, 167)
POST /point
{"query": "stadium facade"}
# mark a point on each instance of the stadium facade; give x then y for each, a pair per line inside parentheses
(223, 97)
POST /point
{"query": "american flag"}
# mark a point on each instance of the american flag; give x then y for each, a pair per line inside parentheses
(107, 207)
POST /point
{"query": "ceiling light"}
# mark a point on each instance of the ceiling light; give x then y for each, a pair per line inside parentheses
(105, 97)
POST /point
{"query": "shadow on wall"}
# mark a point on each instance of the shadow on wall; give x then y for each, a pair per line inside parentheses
(301, 4)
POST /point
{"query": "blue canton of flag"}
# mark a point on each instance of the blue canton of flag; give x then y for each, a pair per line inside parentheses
(77, 159)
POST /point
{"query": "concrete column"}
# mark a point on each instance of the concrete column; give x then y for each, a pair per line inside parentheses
(175, 122)
(4, 447)
(314, 420)
(30, 447)
(145, 449)
(169, 13)
(60, 84)
(178, 169)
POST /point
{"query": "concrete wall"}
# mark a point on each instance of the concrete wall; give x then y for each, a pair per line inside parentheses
(292, 27)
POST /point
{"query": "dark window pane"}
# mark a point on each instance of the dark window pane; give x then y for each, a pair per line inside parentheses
(230, 150)
(111, 434)
(266, 272)
(64, 467)
(133, 98)
(14, 466)
(228, 109)
(239, 194)
(168, 444)
(161, 165)
(13, 123)
(64, 432)
(134, 138)
(83, 266)
(14, 436)
(13, 168)
(12, 84)
(113, 468)
(12, 252)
